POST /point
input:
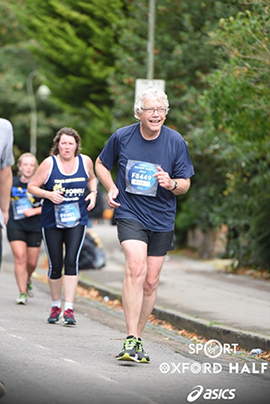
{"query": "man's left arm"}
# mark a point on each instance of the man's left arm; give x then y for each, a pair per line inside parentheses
(179, 186)
(176, 185)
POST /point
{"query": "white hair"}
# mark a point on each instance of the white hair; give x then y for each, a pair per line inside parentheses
(150, 93)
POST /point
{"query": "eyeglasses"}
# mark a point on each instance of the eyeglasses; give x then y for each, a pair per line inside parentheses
(150, 111)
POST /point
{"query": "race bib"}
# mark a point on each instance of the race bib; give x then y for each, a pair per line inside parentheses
(139, 178)
(67, 215)
(19, 206)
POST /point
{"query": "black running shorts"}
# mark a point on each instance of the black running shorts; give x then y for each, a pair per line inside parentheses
(31, 238)
(158, 242)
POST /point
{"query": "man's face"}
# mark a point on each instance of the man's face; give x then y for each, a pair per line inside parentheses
(152, 116)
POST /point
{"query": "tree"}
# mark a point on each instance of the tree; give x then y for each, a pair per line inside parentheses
(237, 127)
(183, 58)
(72, 41)
(183, 55)
(16, 62)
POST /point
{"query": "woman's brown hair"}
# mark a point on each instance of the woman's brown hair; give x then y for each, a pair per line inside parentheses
(69, 132)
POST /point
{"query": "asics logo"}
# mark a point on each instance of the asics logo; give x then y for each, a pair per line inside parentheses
(210, 394)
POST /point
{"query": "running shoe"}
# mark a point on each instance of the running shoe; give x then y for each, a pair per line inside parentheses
(141, 354)
(69, 317)
(22, 299)
(29, 288)
(54, 315)
(128, 352)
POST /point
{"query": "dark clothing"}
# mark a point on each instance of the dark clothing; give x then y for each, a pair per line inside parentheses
(31, 238)
(140, 196)
(54, 240)
(158, 243)
(72, 211)
(21, 200)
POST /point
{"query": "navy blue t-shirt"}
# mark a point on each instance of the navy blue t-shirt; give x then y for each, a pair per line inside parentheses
(140, 196)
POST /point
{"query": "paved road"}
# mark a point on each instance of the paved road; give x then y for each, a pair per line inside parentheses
(200, 291)
(43, 363)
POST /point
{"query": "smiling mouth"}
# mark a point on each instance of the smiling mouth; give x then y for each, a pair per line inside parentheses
(155, 120)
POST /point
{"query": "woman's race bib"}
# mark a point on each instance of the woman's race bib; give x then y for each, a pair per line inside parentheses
(19, 206)
(67, 215)
(139, 178)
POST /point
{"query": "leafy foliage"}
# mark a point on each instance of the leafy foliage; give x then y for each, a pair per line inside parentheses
(237, 124)
(16, 63)
(72, 42)
(183, 58)
(182, 55)
(214, 57)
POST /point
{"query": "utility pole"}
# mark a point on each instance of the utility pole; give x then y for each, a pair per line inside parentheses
(151, 39)
(33, 107)
(43, 92)
(143, 84)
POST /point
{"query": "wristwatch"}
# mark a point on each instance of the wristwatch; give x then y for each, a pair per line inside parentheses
(175, 185)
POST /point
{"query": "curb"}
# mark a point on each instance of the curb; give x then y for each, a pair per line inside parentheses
(246, 340)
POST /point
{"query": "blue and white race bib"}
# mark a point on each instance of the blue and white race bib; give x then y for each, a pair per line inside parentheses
(67, 215)
(19, 206)
(139, 178)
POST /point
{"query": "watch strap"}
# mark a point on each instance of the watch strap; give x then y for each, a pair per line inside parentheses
(175, 185)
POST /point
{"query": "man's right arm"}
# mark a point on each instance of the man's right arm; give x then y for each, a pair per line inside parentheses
(105, 178)
(5, 186)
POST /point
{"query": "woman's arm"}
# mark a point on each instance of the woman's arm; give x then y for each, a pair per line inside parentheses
(39, 178)
(32, 211)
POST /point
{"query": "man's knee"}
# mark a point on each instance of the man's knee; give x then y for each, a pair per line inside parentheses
(136, 270)
(150, 286)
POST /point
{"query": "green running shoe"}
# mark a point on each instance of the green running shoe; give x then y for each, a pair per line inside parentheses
(128, 352)
(29, 288)
(22, 299)
(141, 354)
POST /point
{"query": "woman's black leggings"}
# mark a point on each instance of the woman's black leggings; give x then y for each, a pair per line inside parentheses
(55, 240)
